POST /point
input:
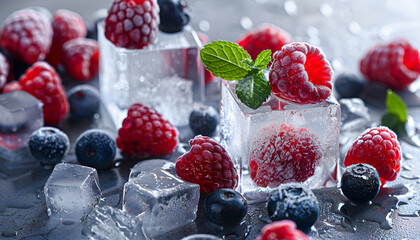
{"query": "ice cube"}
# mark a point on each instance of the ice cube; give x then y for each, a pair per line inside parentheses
(20, 115)
(201, 237)
(163, 201)
(148, 165)
(354, 114)
(108, 223)
(167, 76)
(241, 126)
(72, 191)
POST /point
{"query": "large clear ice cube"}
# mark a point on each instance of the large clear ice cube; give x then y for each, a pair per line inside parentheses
(20, 115)
(72, 191)
(108, 223)
(241, 128)
(163, 201)
(168, 76)
(148, 165)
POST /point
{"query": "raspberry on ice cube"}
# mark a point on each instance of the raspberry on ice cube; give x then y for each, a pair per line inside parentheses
(72, 191)
(167, 76)
(163, 201)
(254, 140)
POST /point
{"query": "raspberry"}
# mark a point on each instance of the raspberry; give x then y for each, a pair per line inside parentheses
(208, 165)
(379, 148)
(395, 64)
(80, 58)
(145, 133)
(282, 230)
(132, 24)
(300, 73)
(265, 36)
(43, 82)
(4, 70)
(12, 86)
(66, 25)
(26, 35)
(283, 155)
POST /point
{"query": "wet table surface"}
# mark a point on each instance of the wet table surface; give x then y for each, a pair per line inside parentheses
(392, 215)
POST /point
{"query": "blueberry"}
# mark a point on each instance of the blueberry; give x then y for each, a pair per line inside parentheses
(173, 16)
(84, 102)
(225, 207)
(48, 145)
(295, 202)
(360, 183)
(95, 148)
(204, 120)
(349, 85)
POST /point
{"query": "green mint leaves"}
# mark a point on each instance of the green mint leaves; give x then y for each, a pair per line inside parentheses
(231, 62)
(396, 113)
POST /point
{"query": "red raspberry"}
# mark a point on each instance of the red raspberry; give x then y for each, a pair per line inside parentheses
(26, 35)
(66, 25)
(379, 148)
(283, 155)
(12, 86)
(300, 73)
(208, 77)
(132, 24)
(145, 133)
(395, 64)
(208, 165)
(80, 58)
(43, 82)
(282, 230)
(265, 36)
(4, 70)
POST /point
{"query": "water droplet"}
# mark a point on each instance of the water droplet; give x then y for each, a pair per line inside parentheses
(326, 9)
(246, 23)
(204, 25)
(354, 28)
(290, 7)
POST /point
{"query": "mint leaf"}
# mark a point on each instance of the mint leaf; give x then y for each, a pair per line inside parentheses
(253, 90)
(395, 105)
(263, 59)
(225, 59)
(394, 123)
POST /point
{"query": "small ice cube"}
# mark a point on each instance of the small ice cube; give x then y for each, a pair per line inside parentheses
(354, 114)
(163, 201)
(20, 115)
(148, 165)
(108, 223)
(72, 191)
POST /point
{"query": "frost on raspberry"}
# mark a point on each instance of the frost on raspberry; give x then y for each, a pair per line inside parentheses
(283, 154)
(395, 64)
(300, 73)
(282, 230)
(379, 148)
(208, 165)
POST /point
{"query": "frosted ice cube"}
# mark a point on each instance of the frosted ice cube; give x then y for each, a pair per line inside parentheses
(148, 165)
(163, 201)
(240, 126)
(354, 114)
(168, 76)
(108, 223)
(72, 191)
(20, 115)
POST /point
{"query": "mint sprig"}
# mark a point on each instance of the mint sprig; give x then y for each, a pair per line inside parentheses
(396, 113)
(231, 62)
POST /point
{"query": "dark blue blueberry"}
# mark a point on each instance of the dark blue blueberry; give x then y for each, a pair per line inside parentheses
(225, 207)
(349, 85)
(48, 145)
(173, 15)
(360, 183)
(84, 102)
(295, 202)
(95, 148)
(204, 120)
